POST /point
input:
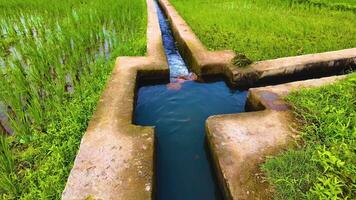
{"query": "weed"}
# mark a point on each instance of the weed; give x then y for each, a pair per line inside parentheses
(324, 166)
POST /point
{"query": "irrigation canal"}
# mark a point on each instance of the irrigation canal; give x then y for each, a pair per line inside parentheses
(178, 111)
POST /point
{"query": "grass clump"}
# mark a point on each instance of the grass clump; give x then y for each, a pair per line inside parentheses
(264, 29)
(55, 58)
(323, 166)
(240, 60)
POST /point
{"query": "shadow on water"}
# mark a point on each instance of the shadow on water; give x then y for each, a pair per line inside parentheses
(178, 111)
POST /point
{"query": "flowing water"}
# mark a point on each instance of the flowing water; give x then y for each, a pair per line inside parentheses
(178, 111)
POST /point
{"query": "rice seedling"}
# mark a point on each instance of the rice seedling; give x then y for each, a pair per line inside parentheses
(54, 61)
(264, 29)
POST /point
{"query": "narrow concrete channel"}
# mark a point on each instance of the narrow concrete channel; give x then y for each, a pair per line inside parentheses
(178, 111)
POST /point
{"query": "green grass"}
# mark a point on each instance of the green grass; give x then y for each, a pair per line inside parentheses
(265, 29)
(345, 5)
(323, 166)
(55, 58)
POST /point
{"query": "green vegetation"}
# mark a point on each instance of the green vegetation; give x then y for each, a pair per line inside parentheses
(264, 29)
(240, 60)
(332, 4)
(55, 58)
(323, 166)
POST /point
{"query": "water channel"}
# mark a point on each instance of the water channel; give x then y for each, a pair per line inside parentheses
(178, 111)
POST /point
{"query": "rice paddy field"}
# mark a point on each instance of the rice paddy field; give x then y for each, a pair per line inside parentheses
(266, 29)
(55, 58)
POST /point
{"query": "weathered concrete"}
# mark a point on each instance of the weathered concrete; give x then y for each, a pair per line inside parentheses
(294, 67)
(239, 143)
(271, 97)
(115, 159)
(204, 62)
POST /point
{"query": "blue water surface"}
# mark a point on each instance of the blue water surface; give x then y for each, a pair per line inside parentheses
(183, 170)
(175, 61)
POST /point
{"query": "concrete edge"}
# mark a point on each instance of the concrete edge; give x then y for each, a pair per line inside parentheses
(239, 146)
(237, 160)
(299, 67)
(204, 62)
(116, 158)
(271, 97)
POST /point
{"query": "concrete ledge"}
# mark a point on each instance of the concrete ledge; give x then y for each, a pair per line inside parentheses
(204, 62)
(115, 159)
(238, 147)
(239, 143)
(304, 66)
(271, 97)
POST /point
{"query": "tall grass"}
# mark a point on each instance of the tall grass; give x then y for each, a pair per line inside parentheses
(7, 169)
(324, 164)
(55, 58)
(267, 29)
